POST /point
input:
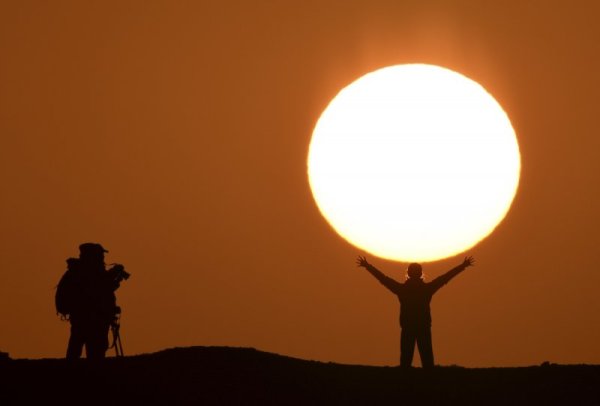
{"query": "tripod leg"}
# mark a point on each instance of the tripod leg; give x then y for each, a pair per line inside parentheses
(115, 338)
(120, 346)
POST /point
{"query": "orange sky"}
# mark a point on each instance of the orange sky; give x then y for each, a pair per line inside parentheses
(176, 134)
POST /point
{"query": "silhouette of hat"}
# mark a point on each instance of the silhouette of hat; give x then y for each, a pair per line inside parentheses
(91, 247)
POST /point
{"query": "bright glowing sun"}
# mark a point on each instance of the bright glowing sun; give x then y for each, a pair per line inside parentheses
(414, 163)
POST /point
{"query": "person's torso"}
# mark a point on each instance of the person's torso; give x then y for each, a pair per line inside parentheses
(94, 296)
(415, 297)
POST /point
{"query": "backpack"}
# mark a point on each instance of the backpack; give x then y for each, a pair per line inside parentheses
(66, 291)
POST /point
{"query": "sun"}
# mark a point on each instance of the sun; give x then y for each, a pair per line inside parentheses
(414, 163)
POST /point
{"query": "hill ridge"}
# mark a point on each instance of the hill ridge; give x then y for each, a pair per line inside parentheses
(242, 375)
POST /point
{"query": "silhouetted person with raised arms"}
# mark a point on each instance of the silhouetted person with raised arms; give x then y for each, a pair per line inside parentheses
(86, 297)
(415, 317)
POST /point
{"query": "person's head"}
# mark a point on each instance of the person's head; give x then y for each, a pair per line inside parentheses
(415, 271)
(91, 252)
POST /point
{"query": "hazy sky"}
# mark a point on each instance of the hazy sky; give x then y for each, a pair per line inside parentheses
(175, 133)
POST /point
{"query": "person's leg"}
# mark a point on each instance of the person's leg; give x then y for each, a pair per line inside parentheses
(97, 342)
(76, 340)
(407, 347)
(425, 347)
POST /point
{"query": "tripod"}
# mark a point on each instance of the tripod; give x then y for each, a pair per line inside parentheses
(115, 327)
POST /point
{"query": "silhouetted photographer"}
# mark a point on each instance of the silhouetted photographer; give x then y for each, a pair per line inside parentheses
(86, 297)
(415, 317)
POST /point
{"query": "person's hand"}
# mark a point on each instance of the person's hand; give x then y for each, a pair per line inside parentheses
(362, 261)
(469, 261)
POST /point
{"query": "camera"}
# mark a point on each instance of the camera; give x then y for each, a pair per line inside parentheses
(119, 271)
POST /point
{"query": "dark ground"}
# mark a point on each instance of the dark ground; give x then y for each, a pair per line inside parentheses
(222, 375)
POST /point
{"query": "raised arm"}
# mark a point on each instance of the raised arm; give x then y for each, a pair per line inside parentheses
(386, 281)
(445, 278)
